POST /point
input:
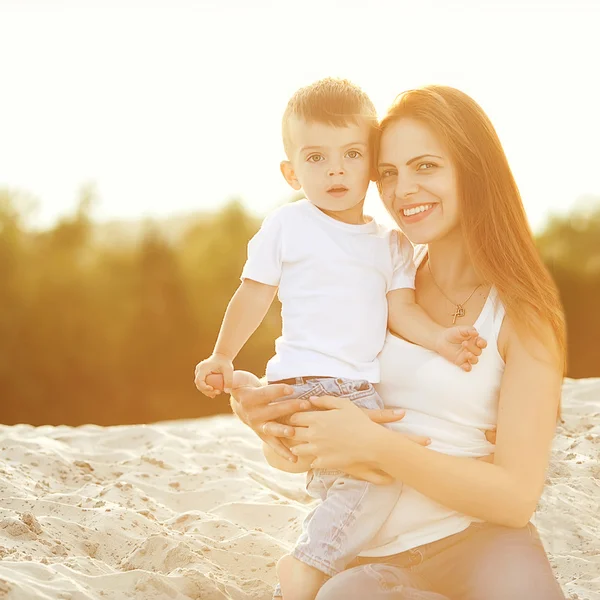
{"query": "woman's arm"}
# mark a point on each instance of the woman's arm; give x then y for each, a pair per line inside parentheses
(505, 492)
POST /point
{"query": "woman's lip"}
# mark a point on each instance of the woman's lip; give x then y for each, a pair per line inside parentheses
(416, 217)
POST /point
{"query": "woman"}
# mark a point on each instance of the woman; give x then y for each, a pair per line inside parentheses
(461, 527)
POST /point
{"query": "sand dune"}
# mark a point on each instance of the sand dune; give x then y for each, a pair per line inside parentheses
(189, 509)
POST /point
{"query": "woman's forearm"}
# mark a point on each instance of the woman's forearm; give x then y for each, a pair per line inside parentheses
(473, 487)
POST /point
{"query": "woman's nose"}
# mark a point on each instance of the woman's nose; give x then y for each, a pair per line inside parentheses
(405, 189)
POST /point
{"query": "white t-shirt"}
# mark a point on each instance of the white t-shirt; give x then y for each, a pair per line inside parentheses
(333, 278)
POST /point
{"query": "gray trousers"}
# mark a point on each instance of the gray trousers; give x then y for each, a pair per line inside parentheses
(351, 511)
(483, 562)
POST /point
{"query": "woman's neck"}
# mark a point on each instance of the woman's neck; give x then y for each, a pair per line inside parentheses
(450, 264)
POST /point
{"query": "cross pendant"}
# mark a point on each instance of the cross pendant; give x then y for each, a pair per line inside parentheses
(459, 312)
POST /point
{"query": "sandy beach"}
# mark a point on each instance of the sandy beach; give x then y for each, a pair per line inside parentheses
(190, 509)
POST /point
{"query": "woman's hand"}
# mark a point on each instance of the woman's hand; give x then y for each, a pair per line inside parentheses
(259, 407)
(340, 435)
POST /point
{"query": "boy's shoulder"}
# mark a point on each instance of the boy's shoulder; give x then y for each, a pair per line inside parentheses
(288, 212)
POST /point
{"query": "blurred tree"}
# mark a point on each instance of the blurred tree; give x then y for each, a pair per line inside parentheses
(570, 247)
(110, 333)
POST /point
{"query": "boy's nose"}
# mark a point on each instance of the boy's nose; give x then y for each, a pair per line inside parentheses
(335, 171)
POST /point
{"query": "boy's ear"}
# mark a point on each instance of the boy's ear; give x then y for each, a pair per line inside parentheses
(287, 170)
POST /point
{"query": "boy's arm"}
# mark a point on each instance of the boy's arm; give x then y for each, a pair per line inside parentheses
(461, 345)
(409, 320)
(245, 312)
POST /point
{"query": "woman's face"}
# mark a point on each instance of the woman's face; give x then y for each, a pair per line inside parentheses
(418, 181)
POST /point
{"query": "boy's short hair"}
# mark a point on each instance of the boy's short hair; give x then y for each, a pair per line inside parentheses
(332, 101)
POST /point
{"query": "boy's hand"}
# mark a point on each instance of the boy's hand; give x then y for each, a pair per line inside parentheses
(215, 364)
(461, 346)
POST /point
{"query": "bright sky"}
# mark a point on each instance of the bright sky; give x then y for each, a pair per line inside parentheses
(171, 106)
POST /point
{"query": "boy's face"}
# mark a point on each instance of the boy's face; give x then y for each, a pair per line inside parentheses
(331, 164)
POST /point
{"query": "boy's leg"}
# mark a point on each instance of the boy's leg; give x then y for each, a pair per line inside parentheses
(344, 524)
(351, 514)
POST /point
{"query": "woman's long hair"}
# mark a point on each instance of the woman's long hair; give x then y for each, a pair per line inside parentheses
(498, 238)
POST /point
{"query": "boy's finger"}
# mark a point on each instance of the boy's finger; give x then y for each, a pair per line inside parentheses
(202, 386)
(468, 331)
(471, 346)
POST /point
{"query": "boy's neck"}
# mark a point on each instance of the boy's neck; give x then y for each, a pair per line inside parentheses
(351, 216)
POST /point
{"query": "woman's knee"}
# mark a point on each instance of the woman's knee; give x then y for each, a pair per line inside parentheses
(376, 581)
(519, 570)
(349, 585)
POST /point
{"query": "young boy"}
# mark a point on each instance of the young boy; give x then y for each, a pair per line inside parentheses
(335, 271)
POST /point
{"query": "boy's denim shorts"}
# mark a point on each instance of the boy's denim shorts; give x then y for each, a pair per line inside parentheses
(351, 511)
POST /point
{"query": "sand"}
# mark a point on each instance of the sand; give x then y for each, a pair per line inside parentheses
(190, 509)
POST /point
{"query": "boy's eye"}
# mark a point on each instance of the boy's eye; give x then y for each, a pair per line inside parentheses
(315, 158)
(353, 154)
(425, 166)
(388, 173)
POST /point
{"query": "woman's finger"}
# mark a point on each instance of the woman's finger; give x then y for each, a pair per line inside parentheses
(301, 434)
(277, 410)
(214, 381)
(490, 435)
(252, 397)
(377, 478)
(369, 474)
(307, 449)
(419, 439)
(488, 459)
(272, 428)
(303, 419)
(280, 448)
(385, 415)
(329, 402)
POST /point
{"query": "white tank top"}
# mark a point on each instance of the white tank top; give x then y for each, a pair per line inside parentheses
(452, 407)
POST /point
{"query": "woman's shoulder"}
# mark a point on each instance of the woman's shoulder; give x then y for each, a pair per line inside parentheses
(534, 338)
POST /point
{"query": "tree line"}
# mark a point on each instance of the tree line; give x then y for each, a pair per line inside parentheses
(107, 328)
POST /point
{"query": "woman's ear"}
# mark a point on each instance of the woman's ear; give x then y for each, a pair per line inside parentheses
(287, 170)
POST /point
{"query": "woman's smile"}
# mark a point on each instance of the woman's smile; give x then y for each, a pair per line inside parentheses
(416, 212)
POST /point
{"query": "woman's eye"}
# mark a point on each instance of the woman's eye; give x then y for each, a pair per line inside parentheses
(425, 166)
(386, 174)
(353, 154)
(315, 158)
